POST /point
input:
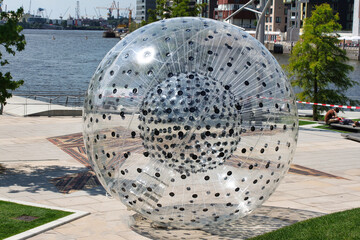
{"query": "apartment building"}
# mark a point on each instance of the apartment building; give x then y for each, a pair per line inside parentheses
(245, 18)
(276, 17)
(345, 8)
(356, 19)
(142, 7)
(208, 10)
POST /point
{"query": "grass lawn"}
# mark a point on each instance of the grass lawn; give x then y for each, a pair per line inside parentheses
(301, 122)
(336, 226)
(327, 127)
(321, 118)
(10, 226)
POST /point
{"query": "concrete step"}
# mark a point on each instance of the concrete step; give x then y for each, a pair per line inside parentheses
(21, 106)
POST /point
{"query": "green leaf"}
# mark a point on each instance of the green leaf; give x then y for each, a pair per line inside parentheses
(13, 41)
(317, 65)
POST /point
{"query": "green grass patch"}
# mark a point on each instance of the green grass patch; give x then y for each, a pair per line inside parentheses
(327, 127)
(10, 226)
(336, 226)
(320, 118)
(301, 122)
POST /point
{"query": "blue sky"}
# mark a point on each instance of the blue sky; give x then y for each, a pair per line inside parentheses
(59, 7)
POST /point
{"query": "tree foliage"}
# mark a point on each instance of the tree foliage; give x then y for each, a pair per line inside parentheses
(317, 65)
(12, 41)
(178, 8)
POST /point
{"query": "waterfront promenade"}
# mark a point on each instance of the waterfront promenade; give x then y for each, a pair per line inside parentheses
(325, 178)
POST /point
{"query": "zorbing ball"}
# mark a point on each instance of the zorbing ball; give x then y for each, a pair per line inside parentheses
(190, 122)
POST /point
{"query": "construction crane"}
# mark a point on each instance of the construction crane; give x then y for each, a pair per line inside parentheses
(48, 16)
(29, 7)
(115, 6)
(40, 12)
(63, 15)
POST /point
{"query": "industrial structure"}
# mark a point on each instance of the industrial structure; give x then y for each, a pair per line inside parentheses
(278, 20)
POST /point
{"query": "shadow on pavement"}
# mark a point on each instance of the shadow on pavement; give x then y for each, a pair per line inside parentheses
(49, 178)
(262, 220)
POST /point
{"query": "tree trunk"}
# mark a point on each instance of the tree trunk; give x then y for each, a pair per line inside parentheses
(315, 112)
(1, 108)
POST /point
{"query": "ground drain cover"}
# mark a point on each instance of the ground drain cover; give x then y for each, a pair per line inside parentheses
(26, 218)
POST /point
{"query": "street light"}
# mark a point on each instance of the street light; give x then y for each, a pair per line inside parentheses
(291, 30)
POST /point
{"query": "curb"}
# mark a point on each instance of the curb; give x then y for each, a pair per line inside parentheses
(47, 226)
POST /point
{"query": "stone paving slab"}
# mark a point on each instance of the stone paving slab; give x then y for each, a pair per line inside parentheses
(28, 179)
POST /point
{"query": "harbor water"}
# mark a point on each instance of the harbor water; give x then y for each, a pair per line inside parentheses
(60, 63)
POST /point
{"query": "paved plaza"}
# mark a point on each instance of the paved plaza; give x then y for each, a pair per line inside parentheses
(325, 178)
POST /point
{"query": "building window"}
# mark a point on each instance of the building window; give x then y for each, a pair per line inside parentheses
(270, 19)
(278, 19)
(266, 19)
(270, 10)
(285, 19)
(266, 27)
(270, 28)
(285, 11)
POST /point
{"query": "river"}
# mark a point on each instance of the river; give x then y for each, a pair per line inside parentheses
(57, 62)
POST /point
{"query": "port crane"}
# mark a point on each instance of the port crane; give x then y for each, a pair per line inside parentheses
(115, 6)
(63, 15)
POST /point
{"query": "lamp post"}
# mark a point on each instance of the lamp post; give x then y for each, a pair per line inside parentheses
(291, 30)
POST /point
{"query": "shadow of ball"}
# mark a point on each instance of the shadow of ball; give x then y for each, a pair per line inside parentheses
(190, 122)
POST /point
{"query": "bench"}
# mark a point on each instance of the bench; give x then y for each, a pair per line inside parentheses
(349, 128)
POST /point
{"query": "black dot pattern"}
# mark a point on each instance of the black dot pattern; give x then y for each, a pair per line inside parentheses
(184, 118)
(190, 122)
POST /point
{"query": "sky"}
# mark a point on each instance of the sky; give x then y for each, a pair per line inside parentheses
(57, 8)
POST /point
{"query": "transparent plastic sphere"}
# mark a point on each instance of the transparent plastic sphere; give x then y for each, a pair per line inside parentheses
(190, 122)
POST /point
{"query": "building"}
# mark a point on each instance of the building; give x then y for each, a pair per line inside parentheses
(356, 19)
(299, 10)
(142, 7)
(276, 17)
(296, 11)
(245, 19)
(208, 11)
(345, 8)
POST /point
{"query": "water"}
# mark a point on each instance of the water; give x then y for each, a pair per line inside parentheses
(58, 62)
(353, 93)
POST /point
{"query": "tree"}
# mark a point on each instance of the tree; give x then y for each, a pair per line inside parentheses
(133, 26)
(12, 41)
(178, 8)
(182, 8)
(317, 65)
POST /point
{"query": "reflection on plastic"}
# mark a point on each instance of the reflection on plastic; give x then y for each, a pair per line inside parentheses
(190, 122)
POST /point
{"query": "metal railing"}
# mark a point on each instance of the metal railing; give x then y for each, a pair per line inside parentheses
(71, 99)
(51, 99)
